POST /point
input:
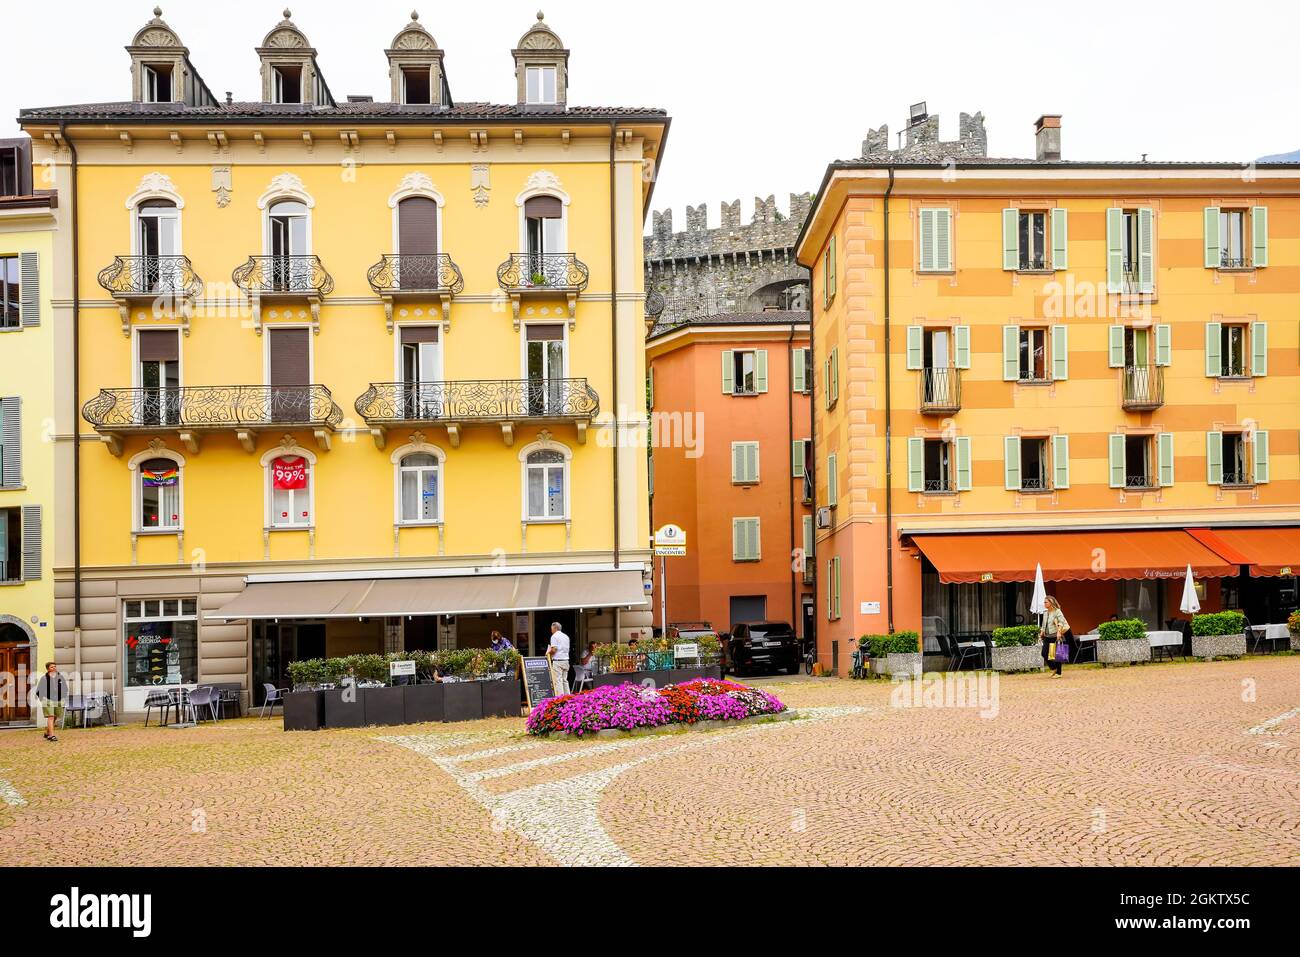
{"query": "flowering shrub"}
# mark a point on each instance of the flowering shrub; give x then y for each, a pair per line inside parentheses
(627, 706)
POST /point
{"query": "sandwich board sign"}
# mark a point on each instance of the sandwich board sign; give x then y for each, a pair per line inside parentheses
(537, 680)
(670, 540)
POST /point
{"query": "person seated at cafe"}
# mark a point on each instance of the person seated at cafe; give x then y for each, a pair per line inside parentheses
(590, 656)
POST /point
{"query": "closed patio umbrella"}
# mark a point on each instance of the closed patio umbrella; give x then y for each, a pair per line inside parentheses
(1038, 603)
(1190, 604)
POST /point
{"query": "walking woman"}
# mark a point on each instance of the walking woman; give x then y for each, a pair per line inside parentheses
(1055, 630)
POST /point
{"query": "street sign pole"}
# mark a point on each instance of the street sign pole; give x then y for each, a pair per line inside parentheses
(663, 595)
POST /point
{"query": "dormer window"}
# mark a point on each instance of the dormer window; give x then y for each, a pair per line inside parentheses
(286, 84)
(541, 85)
(157, 83)
(416, 88)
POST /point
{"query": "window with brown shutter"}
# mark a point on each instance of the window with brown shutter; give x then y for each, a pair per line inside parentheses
(417, 226)
(538, 332)
(159, 345)
(543, 207)
(290, 356)
(413, 334)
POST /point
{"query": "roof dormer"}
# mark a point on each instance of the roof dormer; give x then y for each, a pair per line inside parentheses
(415, 67)
(289, 70)
(541, 68)
(160, 67)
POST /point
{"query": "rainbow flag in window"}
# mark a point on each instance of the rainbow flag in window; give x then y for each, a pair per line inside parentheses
(161, 478)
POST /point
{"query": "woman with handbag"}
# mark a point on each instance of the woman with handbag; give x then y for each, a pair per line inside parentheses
(1056, 637)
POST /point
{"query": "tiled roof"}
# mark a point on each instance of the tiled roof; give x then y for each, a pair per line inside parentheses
(298, 112)
(774, 317)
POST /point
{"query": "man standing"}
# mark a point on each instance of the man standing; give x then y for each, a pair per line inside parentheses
(52, 692)
(558, 652)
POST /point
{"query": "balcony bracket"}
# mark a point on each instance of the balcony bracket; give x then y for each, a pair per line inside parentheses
(445, 299)
(314, 305)
(322, 439)
(247, 440)
(572, 298)
(380, 435)
(191, 441)
(581, 425)
(508, 432)
(114, 443)
(388, 313)
(514, 307)
(453, 434)
(124, 310)
(255, 310)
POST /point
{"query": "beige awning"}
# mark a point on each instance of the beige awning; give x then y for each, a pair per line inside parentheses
(450, 595)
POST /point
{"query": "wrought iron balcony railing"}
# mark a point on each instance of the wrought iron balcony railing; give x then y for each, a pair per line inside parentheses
(1237, 478)
(1234, 262)
(400, 274)
(1035, 263)
(1144, 387)
(283, 276)
(1139, 482)
(212, 407)
(940, 389)
(1035, 483)
(142, 277)
(542, 271)
(941, 484)
(477, 400)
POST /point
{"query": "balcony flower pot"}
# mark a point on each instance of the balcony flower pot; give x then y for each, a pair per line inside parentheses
(423, 703)
(1018, 657)
(1221, 646)
(384, 706)
(1219, 634)
(462, 700)
(304, 711)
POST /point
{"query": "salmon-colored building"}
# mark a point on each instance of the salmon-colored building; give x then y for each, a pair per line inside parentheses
(732, 425)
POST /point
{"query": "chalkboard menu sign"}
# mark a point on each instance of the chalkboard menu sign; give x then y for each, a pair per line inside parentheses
(537, 680)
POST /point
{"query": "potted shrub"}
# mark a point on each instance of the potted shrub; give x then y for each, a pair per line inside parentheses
(898, 653)
(1124, 640)
(1293, 626)
(1220, 633)
(1016, 648)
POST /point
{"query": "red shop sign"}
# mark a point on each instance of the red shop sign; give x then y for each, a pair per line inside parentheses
(289, 472)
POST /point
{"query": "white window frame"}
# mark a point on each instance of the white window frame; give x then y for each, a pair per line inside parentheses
(523, 344)
(135, 356)
(398, 366)
(268, 511)
(137, 516)
(735, 367)
(541, 71)
(414, 185)
(543, 183)
(155, 186)
(417, 448)
(567, 465)
(286, 187)
(1047, 241)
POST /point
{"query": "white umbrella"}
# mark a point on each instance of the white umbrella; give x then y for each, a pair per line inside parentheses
(1038, 602)
(1190, 603)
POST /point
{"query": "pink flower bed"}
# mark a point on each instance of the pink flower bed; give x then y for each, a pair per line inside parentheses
(627, 706)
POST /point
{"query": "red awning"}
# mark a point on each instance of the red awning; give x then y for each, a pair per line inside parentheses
(1268, 551)
(1070, 556)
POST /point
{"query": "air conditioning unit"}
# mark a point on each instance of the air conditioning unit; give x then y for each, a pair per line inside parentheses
(824, 517)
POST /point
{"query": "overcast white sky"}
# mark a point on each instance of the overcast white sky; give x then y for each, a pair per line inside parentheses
(762, 94)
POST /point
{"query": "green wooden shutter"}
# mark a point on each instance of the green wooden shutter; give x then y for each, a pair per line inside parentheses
(728, 372)
(961, 347)
(1261, 457)
(915, 353)
(760, 370)
(1213, 242)
(835, 374)
(1115, 343)
(797, 457)
(1114, 250)
(29, 289)
(834, 261)
(1011, 239)
(1060, 239)
(1010, 353)
(926, 259)
(1061, 461)
(1164, 344)
(32, 542)
(826, 382)
(809, 540)
(916, 465)
(1213, 346)
(798, 370)
(1146, 250)
(835, 587)
(1165, 458)
(1259, 348)
(1011, 462)
(1060, 353)
(751, 463)
(1214, 458)
(11, 441)
(1117, 468)
(963, 464)
(1259, 235)
(737, 462)
(737, 539)
(832, 480)
(943, 240)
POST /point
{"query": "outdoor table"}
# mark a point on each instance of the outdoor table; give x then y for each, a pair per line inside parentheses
(1277, 632)
(1165, 639)
(1087, 641)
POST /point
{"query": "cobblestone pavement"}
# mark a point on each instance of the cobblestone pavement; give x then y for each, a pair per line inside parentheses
(1184, 763)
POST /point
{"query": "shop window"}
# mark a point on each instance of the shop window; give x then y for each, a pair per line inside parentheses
(160, 642)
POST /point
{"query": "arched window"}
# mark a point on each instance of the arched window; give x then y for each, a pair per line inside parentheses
(417, 226)
(419, 489)
(158, 495)
(544, 225)
(546, 483)
(289, 489)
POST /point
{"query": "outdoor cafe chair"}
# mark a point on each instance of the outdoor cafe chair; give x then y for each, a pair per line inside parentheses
(959, 652)
(203, 698)
(160, 700)
(274, 696)
(581, 676)
(77, 704)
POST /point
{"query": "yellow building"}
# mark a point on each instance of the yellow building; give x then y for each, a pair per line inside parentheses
(353, 375)
(1094, 366)
(27, 223)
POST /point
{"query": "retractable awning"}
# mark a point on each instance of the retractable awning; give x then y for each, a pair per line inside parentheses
(1268, 551)
(446, 595)
(1069, 556)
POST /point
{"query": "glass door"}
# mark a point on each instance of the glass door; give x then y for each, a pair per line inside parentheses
(157, 240)
(545, 375)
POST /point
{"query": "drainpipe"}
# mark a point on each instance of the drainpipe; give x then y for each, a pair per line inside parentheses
(789, 429)
(76, 408)
(889, 471)
(613, 312)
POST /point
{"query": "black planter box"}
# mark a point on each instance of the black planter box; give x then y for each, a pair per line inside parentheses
(462, 700)
(501, 699)
(304, 711)
(658, 679)
(384, 706)
(423, 703)
(344, 714)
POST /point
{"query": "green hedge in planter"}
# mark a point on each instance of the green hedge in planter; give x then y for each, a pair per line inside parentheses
(1125, 629)
(1219, 623)
(896, 643)
(457, 662)
(1013, 635)
(1293, 622)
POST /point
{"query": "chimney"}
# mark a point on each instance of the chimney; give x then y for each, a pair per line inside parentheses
(1047, 137)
